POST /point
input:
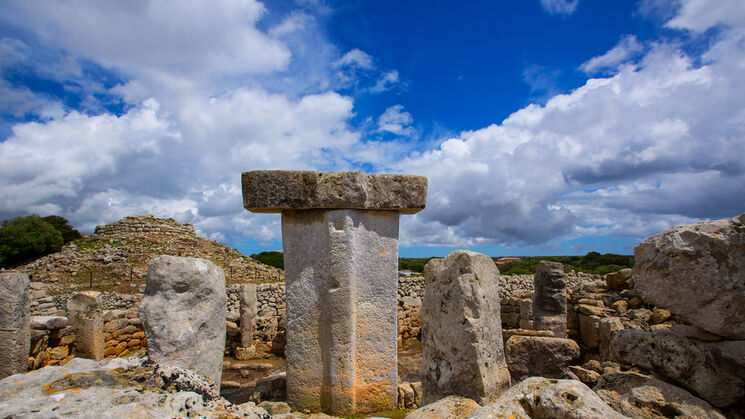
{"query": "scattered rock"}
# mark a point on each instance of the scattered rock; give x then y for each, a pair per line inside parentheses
(462, 352)
(548, 357)
(538, 397)
(618, 280)
(588, 377)
(696, 272)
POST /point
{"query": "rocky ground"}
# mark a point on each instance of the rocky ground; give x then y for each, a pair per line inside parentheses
(117, 255)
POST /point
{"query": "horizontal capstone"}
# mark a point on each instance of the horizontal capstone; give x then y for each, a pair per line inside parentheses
(287, 190)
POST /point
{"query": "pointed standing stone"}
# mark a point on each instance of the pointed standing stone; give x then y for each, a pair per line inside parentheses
(183, 313)
(15, 323)
(85, 312)
(340, 239)
(462, 348)
(550, 298)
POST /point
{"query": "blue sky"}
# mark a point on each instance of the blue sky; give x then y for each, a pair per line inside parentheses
(544, 127)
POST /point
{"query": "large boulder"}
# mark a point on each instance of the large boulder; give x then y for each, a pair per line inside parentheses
(462, 349)
(183, 314)
(680, 360)
(697, 272)
(545, 398)
(642, 396)
(15, 330)
(548, 357)
(116, 388)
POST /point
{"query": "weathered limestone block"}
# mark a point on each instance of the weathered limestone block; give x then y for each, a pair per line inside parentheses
(618, 280)
(449, 407)
(538, 397)
(281, 190)
(342, 308)
(697, 272)
(641, 396)
(549, 357)
(550, 298)
(183, 314)
(462, 351)
(340, 238)
(608, 327)
(247, 299)
(682, 361)
(15, 323)
(85, 313)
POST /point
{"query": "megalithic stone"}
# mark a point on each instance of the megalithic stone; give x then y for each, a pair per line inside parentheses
(550, 298)
(15, 323)
(247, 297)
(340, 239)
(85, 311)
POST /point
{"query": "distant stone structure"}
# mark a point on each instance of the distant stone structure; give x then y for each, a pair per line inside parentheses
(462, 347)
(15, 323)
(85, 311)
(183, 313)
(550, 298)
(145, 224)
(340, 239)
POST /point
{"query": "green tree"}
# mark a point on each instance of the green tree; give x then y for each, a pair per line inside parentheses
(62, 225)
(25, 238)
(271, 258)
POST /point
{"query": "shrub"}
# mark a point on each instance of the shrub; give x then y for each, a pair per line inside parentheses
(25, 238)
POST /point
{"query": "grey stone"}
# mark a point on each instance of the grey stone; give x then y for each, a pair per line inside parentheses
(183, 314)
(608, 327)
(680, 360)
(696, 272)
(589, 330)
(618, 280)
(588, 377)
(549, 357)
(281, 190)
(448, 407)
(545, 398)
(15, 330)
(641, 396)
(462, 349)
(550, 298)
(49, 322)
(85, 312)
(116, 388)
(275, 408)
(247, 300)
(342, 298)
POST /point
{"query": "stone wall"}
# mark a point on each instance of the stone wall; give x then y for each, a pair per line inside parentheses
(145, 224)
(123, 333)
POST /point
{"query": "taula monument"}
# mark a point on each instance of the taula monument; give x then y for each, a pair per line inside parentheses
(340, 239)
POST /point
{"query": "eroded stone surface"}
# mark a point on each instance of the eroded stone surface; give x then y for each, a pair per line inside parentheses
(183, 314)
(281, 190)
(247, 298)
(682, 361)
(548, 357)
(85, 313)
(462, 349)
(697, 272)
(538, 397)
(449, 407)
(550, 298)
(15, 318)
(342, 298)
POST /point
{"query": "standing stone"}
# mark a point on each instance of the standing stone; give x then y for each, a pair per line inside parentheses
(15, 323)
(462, 352)
(550, 298)
(183, 314)
(697, 272)
(247, 299)
(85, 313)
(340, 239)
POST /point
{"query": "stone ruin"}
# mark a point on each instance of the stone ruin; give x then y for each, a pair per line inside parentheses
(550, 299)
(340, 239)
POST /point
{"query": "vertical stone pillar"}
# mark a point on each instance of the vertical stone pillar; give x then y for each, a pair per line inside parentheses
(15, 323)
(183, 314)
(340, 238)
(247, 300)
(550, 298)
(85, 312)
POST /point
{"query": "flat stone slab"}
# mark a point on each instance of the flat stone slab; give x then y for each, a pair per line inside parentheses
(269, 191)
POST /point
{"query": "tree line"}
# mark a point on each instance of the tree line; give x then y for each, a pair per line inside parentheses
(23, 239)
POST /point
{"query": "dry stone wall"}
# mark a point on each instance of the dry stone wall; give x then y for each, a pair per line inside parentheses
(145, 224)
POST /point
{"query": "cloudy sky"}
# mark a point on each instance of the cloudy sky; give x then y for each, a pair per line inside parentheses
(544, 126)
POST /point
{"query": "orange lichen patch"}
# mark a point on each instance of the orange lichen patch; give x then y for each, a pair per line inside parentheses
(375, 397)
(463, 410)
